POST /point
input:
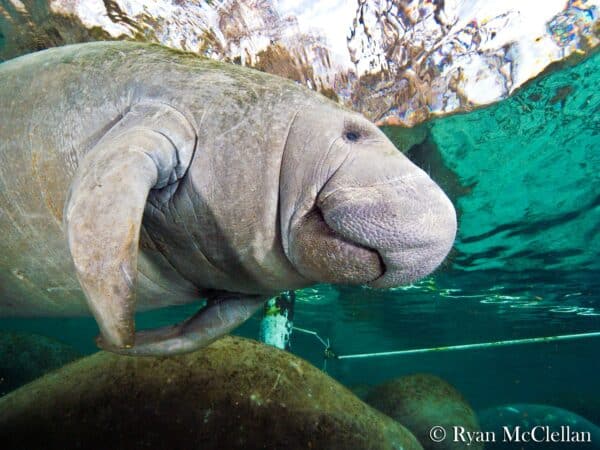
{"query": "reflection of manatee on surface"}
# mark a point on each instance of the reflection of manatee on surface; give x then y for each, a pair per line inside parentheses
(421, 402)
(369, 54)
(228, 183)
(234, 394)
(25, 357)
(527, 416)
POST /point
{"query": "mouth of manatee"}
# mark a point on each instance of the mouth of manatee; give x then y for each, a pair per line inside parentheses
(325, 253)
(380, 235)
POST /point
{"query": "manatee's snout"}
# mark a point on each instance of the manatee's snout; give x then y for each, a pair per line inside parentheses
(365, 214)
(408, 221)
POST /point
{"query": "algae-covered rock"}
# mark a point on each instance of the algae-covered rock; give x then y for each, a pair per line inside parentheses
(25, 357)
(234, 394)
(421, 402)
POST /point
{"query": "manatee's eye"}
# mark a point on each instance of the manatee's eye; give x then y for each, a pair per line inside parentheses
(356, 130)
(352, 136)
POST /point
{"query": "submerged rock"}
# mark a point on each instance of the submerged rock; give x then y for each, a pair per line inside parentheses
(421, 402)
(234, 394)
(25, 357)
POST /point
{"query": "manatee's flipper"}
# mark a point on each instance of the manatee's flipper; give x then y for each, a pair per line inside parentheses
(149, 148)
(221, 315)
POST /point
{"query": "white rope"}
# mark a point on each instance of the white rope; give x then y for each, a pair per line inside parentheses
(314, 333)
(473, 346)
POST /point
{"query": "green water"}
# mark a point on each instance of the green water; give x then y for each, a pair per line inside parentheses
(524, 175)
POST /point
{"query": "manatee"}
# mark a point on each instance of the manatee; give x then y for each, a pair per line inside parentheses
(421, 402)
(215, 398)
(25, 357)
(134, 176)
(572, 430)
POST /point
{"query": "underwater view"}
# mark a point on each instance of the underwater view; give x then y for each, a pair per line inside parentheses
(399, 265)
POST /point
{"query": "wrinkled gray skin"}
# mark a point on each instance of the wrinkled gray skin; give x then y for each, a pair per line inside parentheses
(134, 177)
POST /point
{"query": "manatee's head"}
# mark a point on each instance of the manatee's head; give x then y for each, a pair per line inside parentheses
(355, 210)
